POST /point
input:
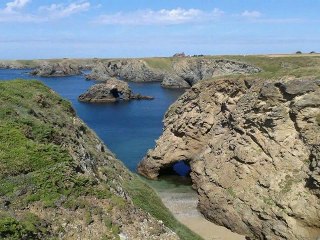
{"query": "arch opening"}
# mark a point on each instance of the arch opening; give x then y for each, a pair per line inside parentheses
(177, 173)
(181, 168)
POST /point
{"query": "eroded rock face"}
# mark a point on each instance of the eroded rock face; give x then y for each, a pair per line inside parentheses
(254, 151)
(130, 70)
(191, 70)
(60, 69)
(185, 72)
(110, 91)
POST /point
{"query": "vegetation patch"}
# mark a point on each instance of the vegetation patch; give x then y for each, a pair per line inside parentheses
(145, 198)
(42, 146)
(160, 63)
(231, 192)
(28, 226)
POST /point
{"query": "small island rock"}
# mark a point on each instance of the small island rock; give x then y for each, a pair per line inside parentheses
(112, 90)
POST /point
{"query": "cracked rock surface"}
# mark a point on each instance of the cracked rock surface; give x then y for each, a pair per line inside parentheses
(254, 152)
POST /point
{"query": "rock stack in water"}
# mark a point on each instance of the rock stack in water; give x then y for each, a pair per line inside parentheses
(111, 90)
(254, 152)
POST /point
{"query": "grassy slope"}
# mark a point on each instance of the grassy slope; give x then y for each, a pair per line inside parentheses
(278, 66)
(273, 66)
(36, 168)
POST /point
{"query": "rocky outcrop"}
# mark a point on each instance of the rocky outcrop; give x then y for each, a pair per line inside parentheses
(110, 91)
(60, 69)
(189, 71)
(11, 65)
(183, 72)
(254, 152)
(134, 70)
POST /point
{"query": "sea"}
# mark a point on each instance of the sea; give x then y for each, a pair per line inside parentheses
(128, 128)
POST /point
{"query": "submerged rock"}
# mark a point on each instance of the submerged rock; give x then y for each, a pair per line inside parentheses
(60, 69)
(254, 152)
(110, 91)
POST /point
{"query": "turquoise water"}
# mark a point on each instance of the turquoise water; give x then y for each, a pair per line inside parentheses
(129, 129)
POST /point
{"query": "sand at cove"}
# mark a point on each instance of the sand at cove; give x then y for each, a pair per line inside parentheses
(182, 202)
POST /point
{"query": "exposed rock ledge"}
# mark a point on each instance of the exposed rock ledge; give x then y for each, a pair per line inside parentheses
(110, 91)
(60, 69)
(182, 73)
(254, 152)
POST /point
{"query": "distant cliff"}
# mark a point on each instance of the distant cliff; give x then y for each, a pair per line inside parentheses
(59, 181)
(171, 72)
(254, 151)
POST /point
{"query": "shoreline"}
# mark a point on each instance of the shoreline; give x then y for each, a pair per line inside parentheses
(179, 197)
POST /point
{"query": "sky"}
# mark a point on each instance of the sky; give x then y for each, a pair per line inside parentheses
(33, 29)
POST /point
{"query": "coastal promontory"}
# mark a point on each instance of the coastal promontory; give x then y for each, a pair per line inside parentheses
(253, 148)
(181, 72)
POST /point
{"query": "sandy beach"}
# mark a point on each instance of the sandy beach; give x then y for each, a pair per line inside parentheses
(181, 200)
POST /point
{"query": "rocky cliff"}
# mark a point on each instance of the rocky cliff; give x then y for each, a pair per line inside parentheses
(188, 71)
(60, 69)
(59, 181)
(179, 72)
(254, 151)
(135, 70)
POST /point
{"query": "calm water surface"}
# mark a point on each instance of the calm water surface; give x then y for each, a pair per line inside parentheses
(129, 129)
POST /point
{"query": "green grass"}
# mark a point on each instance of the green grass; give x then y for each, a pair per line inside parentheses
(36, 167)
(160, 63)
(29, 226)
(275, 67)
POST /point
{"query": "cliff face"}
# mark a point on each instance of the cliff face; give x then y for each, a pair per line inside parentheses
(254, 152)
(177, 73)
(60, 69)
(191, 70)
(58, 180)
(130, 70)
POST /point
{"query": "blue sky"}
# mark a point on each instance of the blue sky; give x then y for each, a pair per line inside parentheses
(136, 28)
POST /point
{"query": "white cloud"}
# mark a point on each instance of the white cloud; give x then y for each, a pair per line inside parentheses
(43, 14)
(160, 17)
(61, 10)
(251, 14)
(15, 5)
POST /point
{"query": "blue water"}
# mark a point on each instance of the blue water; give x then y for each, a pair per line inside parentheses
(129, 129)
